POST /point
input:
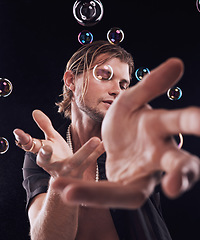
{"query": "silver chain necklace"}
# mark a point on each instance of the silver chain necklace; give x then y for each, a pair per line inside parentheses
(69, 141)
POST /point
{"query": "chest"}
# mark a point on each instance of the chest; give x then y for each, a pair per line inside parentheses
(96, 224)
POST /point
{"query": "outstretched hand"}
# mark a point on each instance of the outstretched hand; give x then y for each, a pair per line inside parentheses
(141, 137)
(140, 147)
(54, 154)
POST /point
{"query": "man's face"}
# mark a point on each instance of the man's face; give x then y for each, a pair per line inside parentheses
(101, 93)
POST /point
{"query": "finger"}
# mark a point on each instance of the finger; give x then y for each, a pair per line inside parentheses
(98, 151)
(88, 153)
(186, 121)
(44, 123)
(44, 158)
(22, 137)
(105, 194)
(182, 171)
(26, 142)
(152, 85)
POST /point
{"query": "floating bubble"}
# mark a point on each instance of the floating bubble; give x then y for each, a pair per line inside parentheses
(141, 72)
(198, 5)
(5, 87)
(115, 35)
(85, 37)
(4, 145)
(103, 72)
(181, 141)
(174, 93)
(88, 12)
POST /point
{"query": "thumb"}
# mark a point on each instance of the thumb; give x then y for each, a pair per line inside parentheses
(161, 78)
(44, 123)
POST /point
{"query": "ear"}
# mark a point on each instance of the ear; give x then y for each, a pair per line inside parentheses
(69, 80)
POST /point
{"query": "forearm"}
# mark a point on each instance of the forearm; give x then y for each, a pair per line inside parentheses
(56, 220)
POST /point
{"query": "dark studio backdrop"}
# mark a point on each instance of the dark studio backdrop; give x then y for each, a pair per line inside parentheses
(37, 37)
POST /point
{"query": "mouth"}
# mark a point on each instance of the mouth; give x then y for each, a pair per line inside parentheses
(109, 102)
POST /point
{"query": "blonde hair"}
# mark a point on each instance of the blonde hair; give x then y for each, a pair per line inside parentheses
(81, 62)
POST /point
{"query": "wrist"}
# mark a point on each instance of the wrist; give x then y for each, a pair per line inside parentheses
(51, 182)
(55, 197)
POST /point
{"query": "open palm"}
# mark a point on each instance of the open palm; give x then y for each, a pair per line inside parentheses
(54, 154)
(138, 140)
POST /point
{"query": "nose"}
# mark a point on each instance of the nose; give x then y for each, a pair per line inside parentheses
(114, 88)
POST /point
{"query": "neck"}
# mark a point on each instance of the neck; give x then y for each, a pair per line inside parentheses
(83, 128)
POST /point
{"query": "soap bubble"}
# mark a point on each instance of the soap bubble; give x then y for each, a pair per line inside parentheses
(5, 87)
(103, 72)
(198, 5)
(88, 12)
(141, 72)
(85, 37)
(181, 141)
(174, 93)
(115, 35)
(4, 145)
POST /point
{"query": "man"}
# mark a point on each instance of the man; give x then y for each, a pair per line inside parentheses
(67, 197)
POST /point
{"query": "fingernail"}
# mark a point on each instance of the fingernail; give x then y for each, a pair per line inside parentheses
(16, 136)
(187, 181)
(185, 185)
(191, 176)
(45, 152)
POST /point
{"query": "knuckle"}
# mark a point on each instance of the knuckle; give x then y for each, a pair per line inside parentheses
(71, 165)
(65, 169)
(69, 169)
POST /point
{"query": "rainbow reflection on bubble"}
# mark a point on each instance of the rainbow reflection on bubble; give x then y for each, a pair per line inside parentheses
(103, 72)
(85, 37)
(5, 87)
(141, 72)
(115, 35)
(88, 12)
(4, 145)
(181, 141)
(198, 5)
(174, 93)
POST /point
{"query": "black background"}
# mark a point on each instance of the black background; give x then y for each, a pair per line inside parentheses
(36, 40)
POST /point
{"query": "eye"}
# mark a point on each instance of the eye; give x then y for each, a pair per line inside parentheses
(104, 72)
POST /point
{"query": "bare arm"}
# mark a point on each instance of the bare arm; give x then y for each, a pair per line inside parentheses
(51, 219)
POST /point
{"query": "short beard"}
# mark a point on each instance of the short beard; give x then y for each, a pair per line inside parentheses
(93, 113)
